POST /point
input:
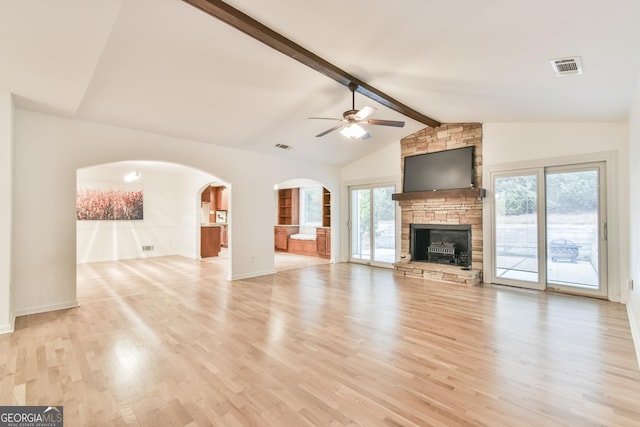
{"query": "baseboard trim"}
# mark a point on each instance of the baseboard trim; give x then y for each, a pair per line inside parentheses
(635, 333)
(6, 329)
(46, 308)
(255, 274)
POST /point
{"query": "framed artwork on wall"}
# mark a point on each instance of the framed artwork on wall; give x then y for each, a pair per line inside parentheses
(221, 217)
(105, 203)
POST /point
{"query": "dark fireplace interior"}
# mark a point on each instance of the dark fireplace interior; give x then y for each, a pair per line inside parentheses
(443, 244)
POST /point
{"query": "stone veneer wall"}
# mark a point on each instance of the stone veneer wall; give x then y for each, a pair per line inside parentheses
(451, 208)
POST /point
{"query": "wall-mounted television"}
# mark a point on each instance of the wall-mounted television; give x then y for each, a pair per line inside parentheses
(441, 170)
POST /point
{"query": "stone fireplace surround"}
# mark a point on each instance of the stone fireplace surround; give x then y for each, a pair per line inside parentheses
(444, 207)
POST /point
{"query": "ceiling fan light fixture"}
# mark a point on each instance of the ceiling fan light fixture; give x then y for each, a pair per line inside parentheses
(353, 131)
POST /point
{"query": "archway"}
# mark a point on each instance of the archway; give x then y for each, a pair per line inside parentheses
(168, 222)
(302, 230)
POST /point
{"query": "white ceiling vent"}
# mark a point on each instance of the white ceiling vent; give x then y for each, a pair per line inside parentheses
(567, 66)
(283, 146)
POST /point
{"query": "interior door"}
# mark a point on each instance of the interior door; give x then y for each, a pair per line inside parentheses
(373, 224)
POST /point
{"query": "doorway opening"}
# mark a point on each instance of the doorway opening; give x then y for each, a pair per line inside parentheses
(302, 230)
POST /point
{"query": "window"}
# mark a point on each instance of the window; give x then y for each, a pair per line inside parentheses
(311, 206)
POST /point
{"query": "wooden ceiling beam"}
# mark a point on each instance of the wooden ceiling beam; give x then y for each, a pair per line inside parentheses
(239, 20)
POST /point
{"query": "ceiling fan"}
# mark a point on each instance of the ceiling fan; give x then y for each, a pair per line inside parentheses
(351, 120)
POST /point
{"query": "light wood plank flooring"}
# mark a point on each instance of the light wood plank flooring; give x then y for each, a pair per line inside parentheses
(283, 260)
(168, 341)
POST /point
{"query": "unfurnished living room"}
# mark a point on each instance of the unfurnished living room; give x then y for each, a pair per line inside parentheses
(418, 213)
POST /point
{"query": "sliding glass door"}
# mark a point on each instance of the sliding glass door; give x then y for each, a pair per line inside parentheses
(575, 228)
(372, 224)
(549, 228)
(517, 229)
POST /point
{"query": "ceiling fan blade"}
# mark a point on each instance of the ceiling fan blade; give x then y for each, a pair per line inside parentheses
(329, 130)
(324, 118)
(364, 113)
(394, 123)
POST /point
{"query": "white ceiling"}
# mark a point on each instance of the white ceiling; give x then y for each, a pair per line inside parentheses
(163, 66)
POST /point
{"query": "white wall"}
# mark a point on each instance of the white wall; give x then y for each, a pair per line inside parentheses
(49, 150)
(382, 163)
(171, 212)
(6, 207)
(633, 304)
(520, 144)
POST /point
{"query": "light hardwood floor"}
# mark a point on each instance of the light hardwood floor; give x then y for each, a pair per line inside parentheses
(282, 260)
(168, 341)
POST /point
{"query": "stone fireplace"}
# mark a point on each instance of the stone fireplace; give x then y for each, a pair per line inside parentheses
(447, 221)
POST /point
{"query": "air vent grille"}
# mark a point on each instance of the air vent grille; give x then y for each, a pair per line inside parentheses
(567, 66)
(283, 146)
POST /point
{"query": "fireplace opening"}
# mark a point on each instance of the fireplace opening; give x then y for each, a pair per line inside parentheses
(442, 244)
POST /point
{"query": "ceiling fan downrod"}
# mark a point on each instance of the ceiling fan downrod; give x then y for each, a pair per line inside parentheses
(349, 114)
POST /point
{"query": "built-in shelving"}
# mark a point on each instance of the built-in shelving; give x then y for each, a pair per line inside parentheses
(326, 208)
(288, 206)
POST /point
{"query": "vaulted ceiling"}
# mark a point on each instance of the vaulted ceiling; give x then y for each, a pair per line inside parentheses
(164, 66)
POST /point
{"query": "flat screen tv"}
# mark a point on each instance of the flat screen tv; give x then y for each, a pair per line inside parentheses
(442, 170)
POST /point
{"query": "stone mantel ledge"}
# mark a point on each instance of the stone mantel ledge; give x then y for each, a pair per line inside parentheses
(440, 194)
(438, 272)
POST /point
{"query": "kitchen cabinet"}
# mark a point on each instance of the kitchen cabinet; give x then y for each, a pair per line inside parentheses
(224, 236)
(210, 240)
(281, 236)
(323, 242)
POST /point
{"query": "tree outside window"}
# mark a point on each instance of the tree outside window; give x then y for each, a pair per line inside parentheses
(311, 206)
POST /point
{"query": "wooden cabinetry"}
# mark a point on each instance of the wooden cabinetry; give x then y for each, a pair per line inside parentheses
(221, 198)
(217, 198)
(280, 239)
(206, 194)
(209, 241)
(326, 208)
(281, 236)
(323, 242)
(224, 236)
(288, 206)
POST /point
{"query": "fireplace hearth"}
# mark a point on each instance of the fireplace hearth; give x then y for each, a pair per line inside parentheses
(441, 244)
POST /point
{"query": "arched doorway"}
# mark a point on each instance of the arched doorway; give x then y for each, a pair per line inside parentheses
(302, 230)
(214, 220)
(168, 222)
